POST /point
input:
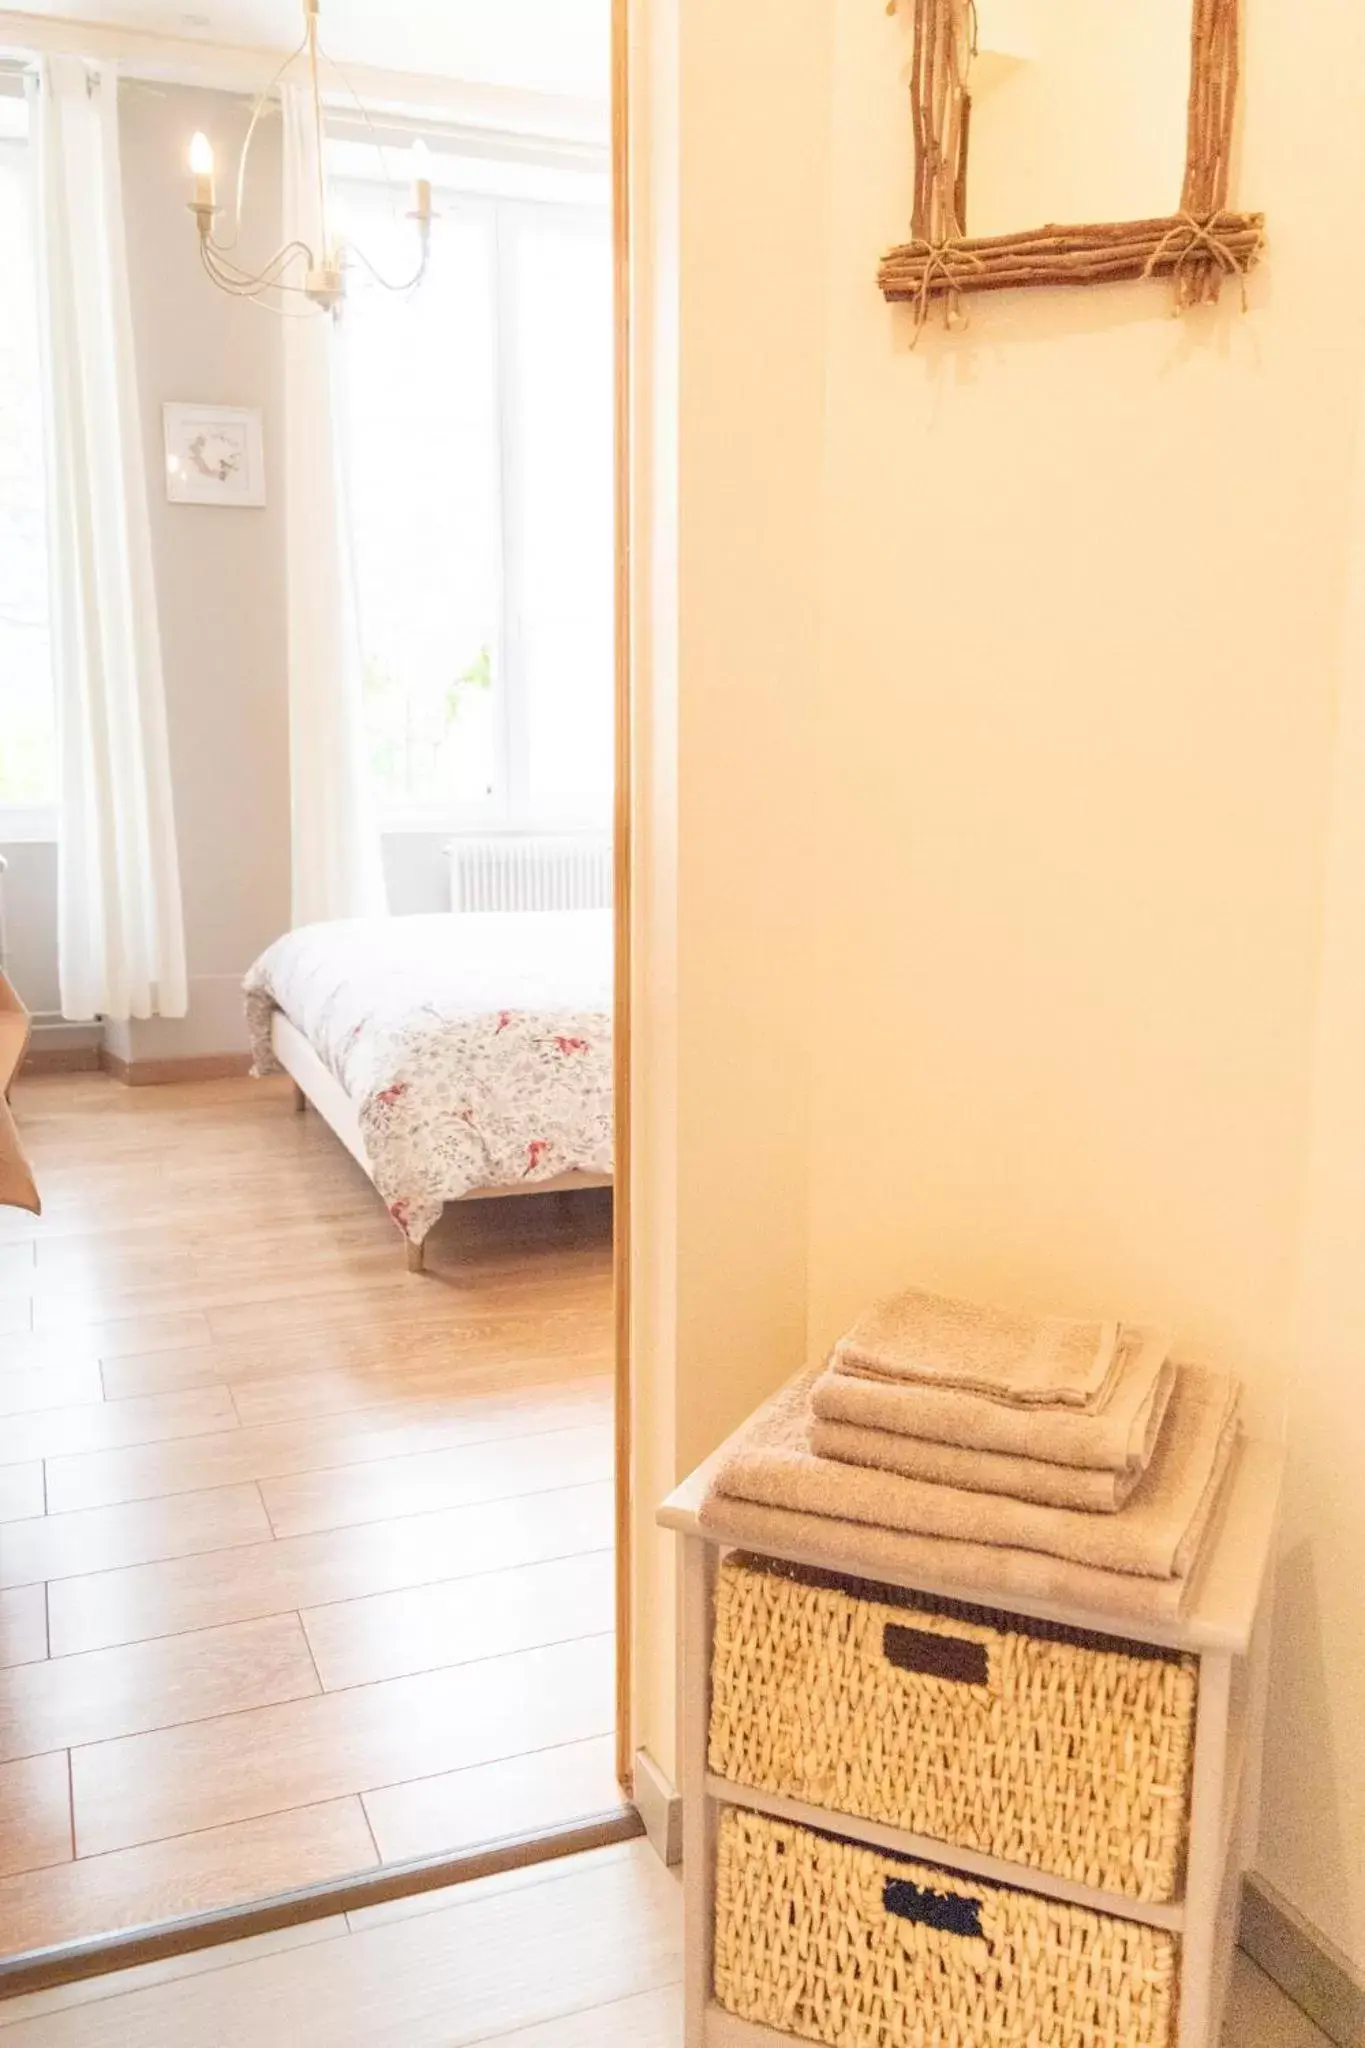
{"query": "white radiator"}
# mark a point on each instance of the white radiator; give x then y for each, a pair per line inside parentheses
(531, 871)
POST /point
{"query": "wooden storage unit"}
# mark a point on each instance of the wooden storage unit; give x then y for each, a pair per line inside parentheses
(1015, 1738)
(848, 1943)
(1224, 1627)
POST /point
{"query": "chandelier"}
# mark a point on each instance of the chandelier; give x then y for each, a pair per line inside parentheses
(315, 275)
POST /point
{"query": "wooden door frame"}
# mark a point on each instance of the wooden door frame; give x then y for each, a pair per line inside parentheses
(622, 873)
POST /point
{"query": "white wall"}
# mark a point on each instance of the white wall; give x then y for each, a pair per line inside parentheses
(1066, 764)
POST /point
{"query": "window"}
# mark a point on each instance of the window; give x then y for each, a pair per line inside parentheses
(477, 423)
(28, 745)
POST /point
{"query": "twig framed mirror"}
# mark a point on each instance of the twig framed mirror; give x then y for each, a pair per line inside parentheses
(1197, 247)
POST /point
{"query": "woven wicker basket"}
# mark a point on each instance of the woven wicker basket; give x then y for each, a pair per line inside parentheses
(832, 1942)
(1065, 1752)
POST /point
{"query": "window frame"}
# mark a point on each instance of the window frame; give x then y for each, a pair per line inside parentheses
(511, 813)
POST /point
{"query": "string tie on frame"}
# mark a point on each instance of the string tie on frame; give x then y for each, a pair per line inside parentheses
(1191, 236)
(939, 260)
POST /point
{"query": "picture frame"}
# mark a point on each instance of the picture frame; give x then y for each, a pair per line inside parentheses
(215, 454)
(1199, 245)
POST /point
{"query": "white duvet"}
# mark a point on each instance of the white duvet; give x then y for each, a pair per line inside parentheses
(476, 1049)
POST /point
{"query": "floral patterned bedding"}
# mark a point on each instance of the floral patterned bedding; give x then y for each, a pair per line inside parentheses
(476, 1048)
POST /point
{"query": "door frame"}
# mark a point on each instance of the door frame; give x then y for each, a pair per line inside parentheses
(622, 875)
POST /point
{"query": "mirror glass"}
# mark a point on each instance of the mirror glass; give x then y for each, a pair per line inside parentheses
(1091, 127)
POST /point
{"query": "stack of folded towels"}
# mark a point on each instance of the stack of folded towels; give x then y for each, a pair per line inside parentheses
(1044, 1457)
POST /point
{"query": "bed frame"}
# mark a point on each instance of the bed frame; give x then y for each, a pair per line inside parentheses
(314, 1083)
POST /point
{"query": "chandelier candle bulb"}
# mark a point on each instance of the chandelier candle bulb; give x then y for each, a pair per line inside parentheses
(421, 182)
(201, 165)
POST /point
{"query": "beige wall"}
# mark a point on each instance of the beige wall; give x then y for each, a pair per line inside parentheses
(1066, 773)
(1313, 1832)
(728, 610)
(1084, 569)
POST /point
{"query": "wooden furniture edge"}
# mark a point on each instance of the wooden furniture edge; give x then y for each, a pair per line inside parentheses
(992, 1870)
(724, 2030)
(659, 1805)
(699, 1813)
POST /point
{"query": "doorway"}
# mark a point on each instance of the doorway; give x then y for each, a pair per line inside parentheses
(258, 1469)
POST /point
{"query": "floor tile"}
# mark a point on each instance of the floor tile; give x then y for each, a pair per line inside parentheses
(182, 1593)
(103, 1540)
(147, 1787)
(496, 1802)
(35, 1813)
(458, 1621)
(193, 1873)
(65, 1702)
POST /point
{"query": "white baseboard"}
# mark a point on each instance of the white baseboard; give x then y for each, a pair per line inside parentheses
(659, 1807)
(216, 1024)
(51, 1032)
(58, 1047)
(1307, 1967)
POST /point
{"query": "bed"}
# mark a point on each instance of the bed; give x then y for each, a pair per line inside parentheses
(459, 1056)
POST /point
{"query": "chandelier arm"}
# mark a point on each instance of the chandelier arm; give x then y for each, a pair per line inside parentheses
(262, 100)
(376, 138)
(241, 287)
(240, 283)
(409, 285)
(266, 305)
(229, 267)
(273, 272)
(311, 38)
(227, 278)
(263, 305)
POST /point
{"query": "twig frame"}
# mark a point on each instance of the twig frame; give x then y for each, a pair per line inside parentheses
(1196, 247)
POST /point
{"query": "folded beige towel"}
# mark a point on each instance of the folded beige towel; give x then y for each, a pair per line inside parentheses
(986, 1572)
(1117, 1437)
(1044, 1360)
(1056, 1486)
(1155, 1536)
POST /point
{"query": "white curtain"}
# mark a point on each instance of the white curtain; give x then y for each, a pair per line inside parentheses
(121, 931)
(337, 862)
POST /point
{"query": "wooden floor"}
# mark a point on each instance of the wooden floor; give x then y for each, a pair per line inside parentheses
(582, 1954)
(304, 1561)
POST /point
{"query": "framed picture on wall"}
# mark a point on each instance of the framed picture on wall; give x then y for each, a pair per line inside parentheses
(214, 455)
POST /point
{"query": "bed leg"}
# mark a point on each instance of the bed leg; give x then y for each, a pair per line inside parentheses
(300, 1100)
(417, 1257)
